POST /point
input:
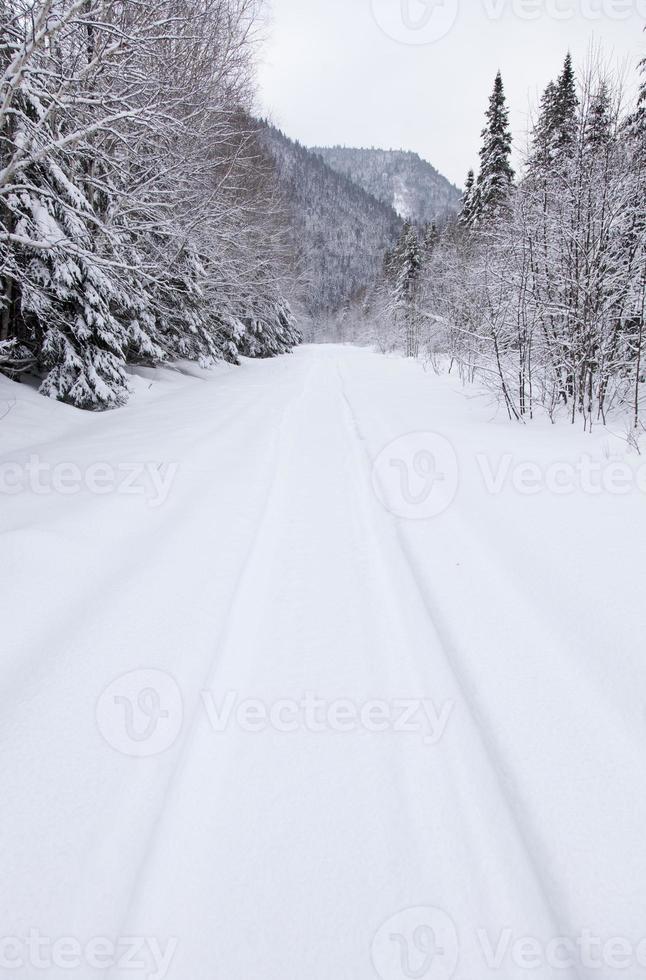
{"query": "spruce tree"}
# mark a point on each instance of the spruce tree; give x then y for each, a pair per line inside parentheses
(430, 239)
(598, 126)
(566, 108)
(554, 137)
(542, 136)
(496, 174)
(408, 265)
(469, 201)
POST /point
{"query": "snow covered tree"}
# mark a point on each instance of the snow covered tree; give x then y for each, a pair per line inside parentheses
(637, 122)
(548, 304)
(599, 122)
(407, 267)
(496, 173)
(469, 207)
(130, 222)
(555, 133)
(430, 238)
(563, 123)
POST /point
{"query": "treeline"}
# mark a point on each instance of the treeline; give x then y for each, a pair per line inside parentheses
(140, 219)
(539, 287)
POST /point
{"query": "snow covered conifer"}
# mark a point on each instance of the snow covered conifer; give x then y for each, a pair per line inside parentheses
(408, 268)
(598, 125)
(469, 205)
(496, 173)
(565, 108)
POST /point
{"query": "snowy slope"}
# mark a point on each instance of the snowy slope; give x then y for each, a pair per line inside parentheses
(405, 181)
(317, 704)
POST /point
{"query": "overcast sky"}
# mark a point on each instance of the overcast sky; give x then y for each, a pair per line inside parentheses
(416, 74)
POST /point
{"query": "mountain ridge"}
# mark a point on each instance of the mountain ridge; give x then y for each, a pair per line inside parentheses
(402, 179)
(343, 231)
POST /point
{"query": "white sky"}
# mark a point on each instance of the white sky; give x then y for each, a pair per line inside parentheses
(330, 74)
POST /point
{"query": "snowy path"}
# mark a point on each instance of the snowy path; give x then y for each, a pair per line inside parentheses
(305, 626)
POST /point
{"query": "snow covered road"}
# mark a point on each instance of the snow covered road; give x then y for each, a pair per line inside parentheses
(353, 687)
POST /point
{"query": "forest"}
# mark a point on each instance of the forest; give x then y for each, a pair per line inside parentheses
(537, 288)
(141, 219)
(148, 217)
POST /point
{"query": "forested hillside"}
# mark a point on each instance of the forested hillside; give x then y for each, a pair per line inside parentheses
(341, 230)
(403, 180)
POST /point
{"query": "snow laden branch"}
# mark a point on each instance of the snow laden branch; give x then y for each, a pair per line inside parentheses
(139, 216)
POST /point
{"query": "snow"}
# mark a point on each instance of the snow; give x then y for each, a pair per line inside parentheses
(203, 701)
(401, 203)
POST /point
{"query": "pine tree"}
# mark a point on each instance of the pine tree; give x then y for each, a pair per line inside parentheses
(566, 108)
(598, 125)
(542, 137)
(469, 205)
(555, 134)
(430, 238)
(408, 266)
(496, 174)
(118, 248)
(69, 298)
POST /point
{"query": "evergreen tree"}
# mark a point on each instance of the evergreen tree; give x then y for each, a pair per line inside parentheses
(408, 267)
(430, 238)
(496, 174)
(542, 137)
(469, 205)
(115, 248)
(565, 108)
(69, 301)
(598, 126)
(555, 134)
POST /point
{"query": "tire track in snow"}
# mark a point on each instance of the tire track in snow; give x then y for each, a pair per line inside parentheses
(88, 600)
(155, 830)
(482, 729)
